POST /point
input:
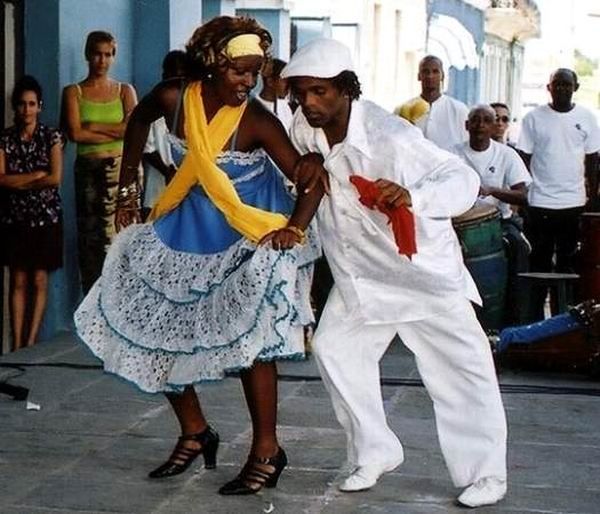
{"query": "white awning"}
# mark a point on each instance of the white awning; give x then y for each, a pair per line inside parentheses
(450, 40)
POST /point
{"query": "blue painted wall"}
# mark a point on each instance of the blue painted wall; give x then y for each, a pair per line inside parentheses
(42, 47)
(55, 32)
(464, 84)
(308, 29)
(277, 22)
(213, 8)
(160, 26)
(150, 42)
(185, 17)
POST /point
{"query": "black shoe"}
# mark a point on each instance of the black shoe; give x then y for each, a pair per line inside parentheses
(256, 474)
(182, 456)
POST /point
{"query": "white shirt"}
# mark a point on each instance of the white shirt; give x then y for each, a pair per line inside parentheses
(358, 242)
(497, 166)
(281, 110)
(154, 181)
(444, 124)
(558, 143)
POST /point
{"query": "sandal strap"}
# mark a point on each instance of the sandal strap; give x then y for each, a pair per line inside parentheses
(201, 437)
(253, 474)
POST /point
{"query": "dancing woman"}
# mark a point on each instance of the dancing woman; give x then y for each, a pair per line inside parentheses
(220, 279)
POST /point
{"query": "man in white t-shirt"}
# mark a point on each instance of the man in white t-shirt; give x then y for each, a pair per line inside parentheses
(560, 143)
(159, 167)
(504, 177)
(441, 118)
(504, 182)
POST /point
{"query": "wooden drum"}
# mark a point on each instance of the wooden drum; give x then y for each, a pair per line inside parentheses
(590, 255)
(480, 233)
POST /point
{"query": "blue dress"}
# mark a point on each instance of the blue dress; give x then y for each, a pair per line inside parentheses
(186, 298)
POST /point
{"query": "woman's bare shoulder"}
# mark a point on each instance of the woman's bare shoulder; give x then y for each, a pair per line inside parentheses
(256, 112)
(168, 93)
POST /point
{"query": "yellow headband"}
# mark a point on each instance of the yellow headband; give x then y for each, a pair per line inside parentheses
(242, 45)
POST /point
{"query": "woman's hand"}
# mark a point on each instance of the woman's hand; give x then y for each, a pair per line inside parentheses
(309, 171)
(30, 180)
(125, 216)
(284, 238)
(128, 206)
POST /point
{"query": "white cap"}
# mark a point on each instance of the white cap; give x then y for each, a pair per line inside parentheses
(321, 58)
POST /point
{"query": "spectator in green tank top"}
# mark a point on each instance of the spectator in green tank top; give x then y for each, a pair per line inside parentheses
(94, 115)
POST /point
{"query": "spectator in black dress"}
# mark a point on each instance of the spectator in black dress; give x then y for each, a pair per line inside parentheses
(31, 227)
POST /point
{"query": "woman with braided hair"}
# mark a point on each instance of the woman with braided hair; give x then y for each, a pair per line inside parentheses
(219, 279)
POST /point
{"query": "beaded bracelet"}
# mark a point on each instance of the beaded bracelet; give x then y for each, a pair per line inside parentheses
(128, 198)
(129, 191)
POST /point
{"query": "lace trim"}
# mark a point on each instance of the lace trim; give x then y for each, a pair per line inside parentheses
(235, 156)
(241, 158)
(253, 174)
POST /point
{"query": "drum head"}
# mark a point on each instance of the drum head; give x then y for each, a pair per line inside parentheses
(476, 214)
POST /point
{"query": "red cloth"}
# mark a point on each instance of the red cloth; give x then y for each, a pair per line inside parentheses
(401, 218)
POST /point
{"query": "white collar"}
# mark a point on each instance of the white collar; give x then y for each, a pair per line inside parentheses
(356, 135)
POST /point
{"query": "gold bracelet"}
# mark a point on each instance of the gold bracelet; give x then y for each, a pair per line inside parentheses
(297, 231)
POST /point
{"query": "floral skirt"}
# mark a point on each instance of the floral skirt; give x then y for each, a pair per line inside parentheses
(163, 318)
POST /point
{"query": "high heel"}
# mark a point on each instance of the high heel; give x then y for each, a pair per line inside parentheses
(256, 474)
(183, 456)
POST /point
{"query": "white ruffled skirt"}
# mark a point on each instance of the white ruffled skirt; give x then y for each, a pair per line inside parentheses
(163, 319)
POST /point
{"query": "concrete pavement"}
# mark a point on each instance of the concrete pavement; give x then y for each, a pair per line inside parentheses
(90, 446)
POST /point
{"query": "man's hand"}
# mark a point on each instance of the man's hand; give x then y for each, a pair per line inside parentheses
(309, 171)
(391, 194)
(485, 191)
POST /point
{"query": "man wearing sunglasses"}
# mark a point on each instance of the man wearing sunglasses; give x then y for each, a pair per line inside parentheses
(500, 134)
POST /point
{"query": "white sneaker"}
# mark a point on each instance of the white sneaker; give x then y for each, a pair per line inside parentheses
(486, 491)
(365, 477)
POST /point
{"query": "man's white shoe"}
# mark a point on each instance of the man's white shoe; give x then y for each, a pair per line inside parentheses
(486, 491)
(365, 477)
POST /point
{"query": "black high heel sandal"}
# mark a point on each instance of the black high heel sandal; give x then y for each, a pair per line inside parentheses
(182, 456)
(256, 474)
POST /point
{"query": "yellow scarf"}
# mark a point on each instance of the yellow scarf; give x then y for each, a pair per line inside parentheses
(205, 141)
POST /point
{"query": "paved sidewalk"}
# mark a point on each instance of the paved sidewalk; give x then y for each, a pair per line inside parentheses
(90, 446)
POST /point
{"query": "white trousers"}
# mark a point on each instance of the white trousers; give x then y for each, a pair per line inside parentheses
(454, 360)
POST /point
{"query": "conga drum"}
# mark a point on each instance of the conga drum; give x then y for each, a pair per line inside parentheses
(479, 231)
(589, 257)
